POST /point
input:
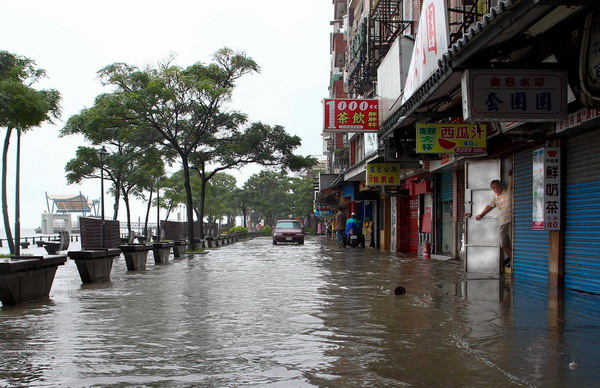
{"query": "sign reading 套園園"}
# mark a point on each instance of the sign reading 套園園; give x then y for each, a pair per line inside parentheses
(528, 95)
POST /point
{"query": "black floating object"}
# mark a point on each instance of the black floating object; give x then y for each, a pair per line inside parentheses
(400, 290)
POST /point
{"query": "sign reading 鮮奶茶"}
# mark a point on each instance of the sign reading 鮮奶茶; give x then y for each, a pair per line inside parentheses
(546, 189)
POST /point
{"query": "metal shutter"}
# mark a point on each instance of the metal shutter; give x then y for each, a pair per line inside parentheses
(582, 212)
(446, 186)
(530, 247)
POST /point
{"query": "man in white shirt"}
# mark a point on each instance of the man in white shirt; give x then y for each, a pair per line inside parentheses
(503, 201)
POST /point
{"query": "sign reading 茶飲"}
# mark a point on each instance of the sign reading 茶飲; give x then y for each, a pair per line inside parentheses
(451, 138)
(351, 115)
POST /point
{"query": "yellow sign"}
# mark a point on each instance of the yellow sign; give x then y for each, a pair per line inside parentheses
(383, 174)
(451, 138)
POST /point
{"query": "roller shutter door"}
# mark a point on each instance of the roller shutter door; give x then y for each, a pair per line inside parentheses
(446, 186)
(582, 212)
(530, 247)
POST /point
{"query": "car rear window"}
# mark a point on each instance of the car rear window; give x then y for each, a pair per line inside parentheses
(288, 225)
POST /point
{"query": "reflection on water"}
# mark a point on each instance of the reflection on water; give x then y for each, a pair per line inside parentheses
(254, 314)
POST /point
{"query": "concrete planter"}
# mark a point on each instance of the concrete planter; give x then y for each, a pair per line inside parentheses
(25, 278)
(94, 265)
(179, 248)
(135, 255)
(161, 251)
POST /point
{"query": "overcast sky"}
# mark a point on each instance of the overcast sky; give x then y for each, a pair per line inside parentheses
(72, 40)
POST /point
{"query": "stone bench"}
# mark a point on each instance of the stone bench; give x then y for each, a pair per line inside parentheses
(136, 255)
(94, 265)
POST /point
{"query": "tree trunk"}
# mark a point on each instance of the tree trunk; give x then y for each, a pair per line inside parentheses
(9, 237)
(127, 211)
(189, 203)
(116, 205)
(148, 213)
(202, 200)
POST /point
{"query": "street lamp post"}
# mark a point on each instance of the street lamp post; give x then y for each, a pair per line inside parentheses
(102, 152)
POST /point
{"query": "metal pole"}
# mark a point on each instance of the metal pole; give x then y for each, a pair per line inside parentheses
(17, 194)
(157, 213)
(102, 204)
(102, 152)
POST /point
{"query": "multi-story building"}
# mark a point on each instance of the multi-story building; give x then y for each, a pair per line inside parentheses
(470, 91)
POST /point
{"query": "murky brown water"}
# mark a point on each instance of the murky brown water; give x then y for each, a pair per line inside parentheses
(257, 315)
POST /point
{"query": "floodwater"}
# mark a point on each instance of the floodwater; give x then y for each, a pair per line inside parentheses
(256, 315)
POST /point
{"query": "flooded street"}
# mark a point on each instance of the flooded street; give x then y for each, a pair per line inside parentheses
(257, 315)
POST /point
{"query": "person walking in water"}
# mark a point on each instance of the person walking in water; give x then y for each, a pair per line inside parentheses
(503, 201)
(340, 227)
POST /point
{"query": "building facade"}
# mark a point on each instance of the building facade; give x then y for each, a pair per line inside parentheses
(468, 92)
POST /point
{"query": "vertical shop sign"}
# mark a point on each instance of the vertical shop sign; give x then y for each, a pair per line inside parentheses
(546, 189)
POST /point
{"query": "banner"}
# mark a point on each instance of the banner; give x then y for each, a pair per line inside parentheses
(451, 138)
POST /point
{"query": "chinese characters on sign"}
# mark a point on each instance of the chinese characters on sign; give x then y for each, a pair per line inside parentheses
(323, 210)
(514, 95)
(546, 189)
(348, 115)
(577, 118)
(383, 174)
(451, 138)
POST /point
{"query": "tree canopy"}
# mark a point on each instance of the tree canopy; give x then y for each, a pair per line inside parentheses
(22, 107)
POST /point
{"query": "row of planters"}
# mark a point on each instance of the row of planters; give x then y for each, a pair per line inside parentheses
(25, 278)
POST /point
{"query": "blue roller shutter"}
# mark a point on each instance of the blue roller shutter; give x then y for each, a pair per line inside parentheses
(582, 212)
(530, 247)
(446, 186)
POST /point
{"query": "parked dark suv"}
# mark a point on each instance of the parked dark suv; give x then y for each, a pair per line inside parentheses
(288, 231)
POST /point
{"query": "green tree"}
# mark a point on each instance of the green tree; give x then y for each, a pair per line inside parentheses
(234, 145)
(302, 197)
(269, 193)
(179, 105)
(21, 108)
(219, 193)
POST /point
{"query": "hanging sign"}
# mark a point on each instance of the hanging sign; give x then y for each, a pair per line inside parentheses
(323, 210)
(351, 115)
(451, 138)
(514, 95)
(546, 189)
(383, 174)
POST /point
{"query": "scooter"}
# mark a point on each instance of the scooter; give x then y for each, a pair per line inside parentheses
(355, 237)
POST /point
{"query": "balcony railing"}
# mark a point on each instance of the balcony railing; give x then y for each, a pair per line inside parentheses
(370, 41)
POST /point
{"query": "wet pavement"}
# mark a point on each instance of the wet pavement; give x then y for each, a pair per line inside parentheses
(252, 314)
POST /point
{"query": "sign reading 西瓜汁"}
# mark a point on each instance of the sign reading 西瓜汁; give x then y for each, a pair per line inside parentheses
(351, 115)
(451, 138)
(546, 189)
(383, 174)
(514, 94)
